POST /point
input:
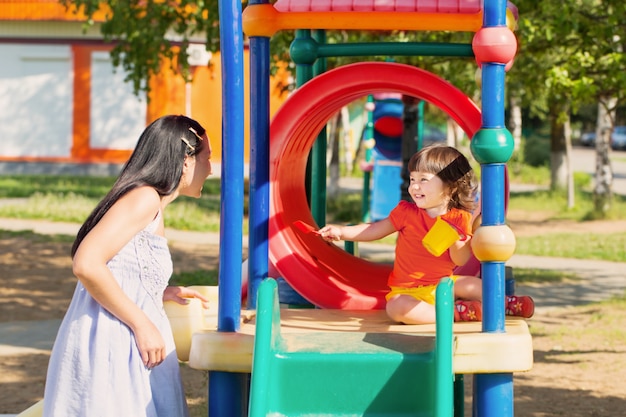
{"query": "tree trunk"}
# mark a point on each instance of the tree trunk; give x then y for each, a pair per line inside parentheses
(409, 141)
(567, 130)
(558, 154)
(602, 191)
(515, 121)
(346, 136)
(332, 156)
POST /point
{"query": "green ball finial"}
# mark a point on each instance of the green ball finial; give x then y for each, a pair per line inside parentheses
(492, 146)
(303, 51)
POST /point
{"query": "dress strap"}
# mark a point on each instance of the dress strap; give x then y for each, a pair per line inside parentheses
(154, 224)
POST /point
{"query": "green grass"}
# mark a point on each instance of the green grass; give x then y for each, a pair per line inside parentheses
(200, 277)
(606, 247)
(71, 199)
(542, 276)
(35, 237)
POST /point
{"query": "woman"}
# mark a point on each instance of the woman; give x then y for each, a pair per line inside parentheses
(114, 354)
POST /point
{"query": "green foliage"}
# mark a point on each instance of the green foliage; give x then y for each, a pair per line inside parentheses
(344, 208)
(526, 174)
(200, 277)
(536, 150)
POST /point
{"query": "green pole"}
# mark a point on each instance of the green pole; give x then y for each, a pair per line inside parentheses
(318, 151)
(420, 125)
(368, 138)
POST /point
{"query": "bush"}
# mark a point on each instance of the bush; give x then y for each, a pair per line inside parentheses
(536, 150)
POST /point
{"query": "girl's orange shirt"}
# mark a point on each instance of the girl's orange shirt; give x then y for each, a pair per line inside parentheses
(414, 266)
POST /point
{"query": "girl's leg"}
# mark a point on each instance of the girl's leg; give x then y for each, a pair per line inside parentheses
(408, 310)
(470, 288)
(467, 287)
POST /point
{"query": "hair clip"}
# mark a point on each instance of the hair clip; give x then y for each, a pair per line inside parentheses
(193, 148)
(192, 130)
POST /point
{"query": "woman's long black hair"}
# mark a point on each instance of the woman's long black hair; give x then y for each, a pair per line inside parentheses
(157, 162)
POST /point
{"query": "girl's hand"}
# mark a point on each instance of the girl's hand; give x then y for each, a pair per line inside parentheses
(330, 233)
(181, 295)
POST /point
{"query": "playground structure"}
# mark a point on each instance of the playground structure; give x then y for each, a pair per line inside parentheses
(347, 358)
(287, 167)
(383, 155)
(387, 143)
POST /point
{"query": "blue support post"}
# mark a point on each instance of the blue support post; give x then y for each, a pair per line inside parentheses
(226, 390)
(493, 393)
(258, 247)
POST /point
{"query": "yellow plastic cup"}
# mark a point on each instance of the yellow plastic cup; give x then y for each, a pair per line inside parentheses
(440, 237)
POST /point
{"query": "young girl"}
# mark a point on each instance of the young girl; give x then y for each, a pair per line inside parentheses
(441, 185)
(114, 354)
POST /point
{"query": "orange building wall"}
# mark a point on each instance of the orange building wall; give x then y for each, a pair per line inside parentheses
(206, 100)
(168, 91)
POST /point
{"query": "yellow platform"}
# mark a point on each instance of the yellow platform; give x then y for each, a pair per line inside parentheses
(474, 352)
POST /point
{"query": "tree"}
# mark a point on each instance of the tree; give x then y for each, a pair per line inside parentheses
(571, 54)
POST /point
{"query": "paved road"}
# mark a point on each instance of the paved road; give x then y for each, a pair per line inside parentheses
(584, 160)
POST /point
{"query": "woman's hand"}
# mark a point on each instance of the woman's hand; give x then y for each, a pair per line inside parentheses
(150, 344)
(181, 295)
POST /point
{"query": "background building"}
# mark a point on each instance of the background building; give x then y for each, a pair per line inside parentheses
(64, 108)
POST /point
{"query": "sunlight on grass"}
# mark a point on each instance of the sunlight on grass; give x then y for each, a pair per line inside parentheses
(35, 237)
(200, 277)
(71, 199)
(70, 207)
(542, 276)
(15, 186)
(608, 247)
(188, 215)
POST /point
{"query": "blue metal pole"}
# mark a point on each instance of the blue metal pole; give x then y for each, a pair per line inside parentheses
(258, 247)
(227, 390)
(493, 91)
(493, 393)
(495, 389)
(232, 166)
(493, 192)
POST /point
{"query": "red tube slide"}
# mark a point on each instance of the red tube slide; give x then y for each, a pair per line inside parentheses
(322, 272)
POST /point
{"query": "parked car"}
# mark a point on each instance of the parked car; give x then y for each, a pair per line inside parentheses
(618, 138)
(588, 139)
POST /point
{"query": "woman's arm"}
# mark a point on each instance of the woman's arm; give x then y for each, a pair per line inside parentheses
(129, 215)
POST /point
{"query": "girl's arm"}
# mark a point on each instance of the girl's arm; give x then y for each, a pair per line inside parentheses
(129, 215)
(363, 232)
(461, 251)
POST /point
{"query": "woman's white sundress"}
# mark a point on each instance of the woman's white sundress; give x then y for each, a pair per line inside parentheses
(96, 369)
